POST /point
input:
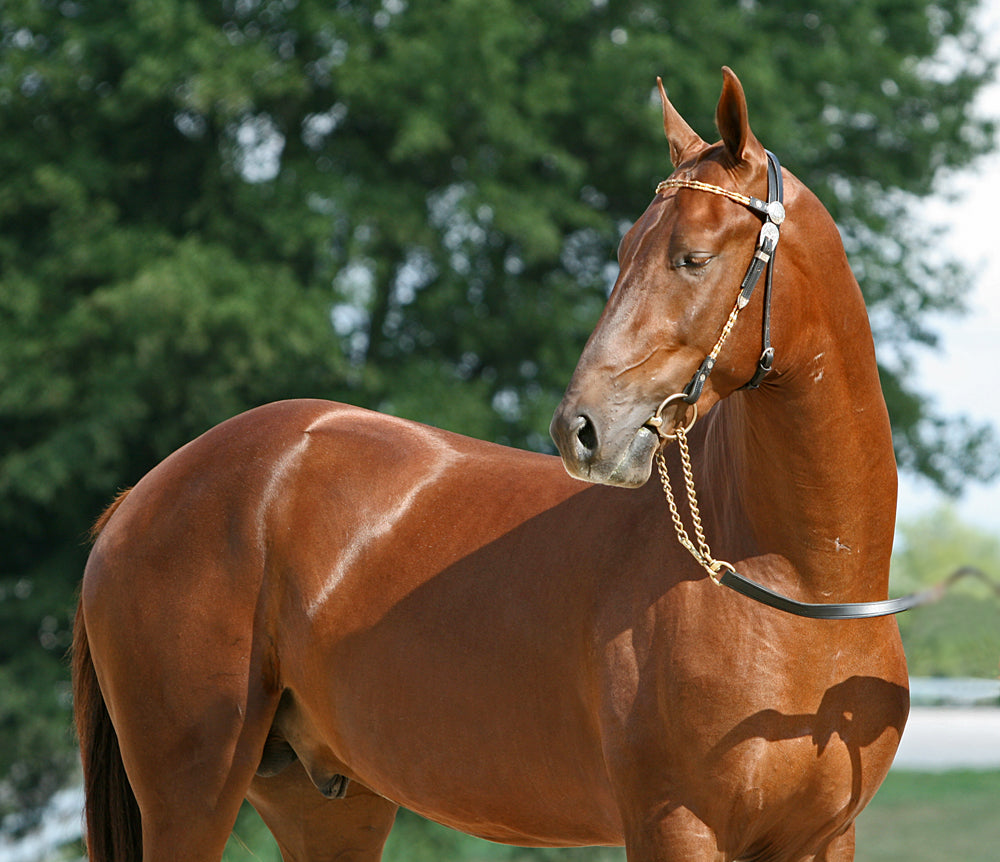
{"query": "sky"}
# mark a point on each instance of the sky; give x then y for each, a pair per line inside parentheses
(963, 375)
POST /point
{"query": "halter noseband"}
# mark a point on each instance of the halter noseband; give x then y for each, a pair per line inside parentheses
(773, 213)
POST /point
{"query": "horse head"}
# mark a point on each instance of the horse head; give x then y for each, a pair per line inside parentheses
(679, 275)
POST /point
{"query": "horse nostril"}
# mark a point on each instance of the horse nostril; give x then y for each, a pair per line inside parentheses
(586, 433)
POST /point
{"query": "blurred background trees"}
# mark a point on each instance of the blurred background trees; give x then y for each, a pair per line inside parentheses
(210, 204)
(959, 635)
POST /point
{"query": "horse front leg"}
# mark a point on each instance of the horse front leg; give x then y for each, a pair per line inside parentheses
(671, 834)
(839, 849)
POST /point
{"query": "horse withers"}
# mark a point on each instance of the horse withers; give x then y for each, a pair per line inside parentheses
(333, 613)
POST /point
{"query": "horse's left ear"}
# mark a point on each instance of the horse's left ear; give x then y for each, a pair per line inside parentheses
(682, 138)
(734, 125)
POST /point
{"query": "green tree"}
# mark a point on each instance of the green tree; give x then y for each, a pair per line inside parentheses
(959, 635)
(411, 206)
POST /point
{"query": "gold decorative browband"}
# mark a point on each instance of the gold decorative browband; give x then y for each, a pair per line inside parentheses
(774, 210)
(704, 187)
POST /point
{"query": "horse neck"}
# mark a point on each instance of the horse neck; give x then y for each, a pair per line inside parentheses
(815, 475)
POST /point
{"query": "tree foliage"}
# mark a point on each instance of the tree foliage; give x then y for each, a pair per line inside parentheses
(410, 206)
(958, 635)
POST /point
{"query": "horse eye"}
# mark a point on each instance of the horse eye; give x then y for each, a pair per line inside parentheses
(693, 260)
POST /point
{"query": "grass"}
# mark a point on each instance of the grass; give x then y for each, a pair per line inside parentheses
(916, 817)
(930, 817)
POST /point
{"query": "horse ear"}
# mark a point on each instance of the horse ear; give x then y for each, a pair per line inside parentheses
(731, 118)
(680, 135)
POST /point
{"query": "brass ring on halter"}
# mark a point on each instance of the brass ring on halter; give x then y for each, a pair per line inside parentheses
(656, 420)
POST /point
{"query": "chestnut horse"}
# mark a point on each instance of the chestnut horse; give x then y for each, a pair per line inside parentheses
(332, 612)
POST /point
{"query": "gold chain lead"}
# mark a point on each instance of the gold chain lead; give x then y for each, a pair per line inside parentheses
(702, 553)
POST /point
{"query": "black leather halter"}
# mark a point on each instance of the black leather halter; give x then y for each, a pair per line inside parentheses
(773, 213)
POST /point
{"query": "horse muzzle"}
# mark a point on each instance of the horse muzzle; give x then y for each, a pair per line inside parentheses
(597, 449)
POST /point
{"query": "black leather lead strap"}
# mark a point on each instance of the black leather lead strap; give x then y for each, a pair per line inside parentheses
(834, 611)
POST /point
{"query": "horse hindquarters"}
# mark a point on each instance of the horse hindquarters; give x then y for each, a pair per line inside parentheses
(112, 813)
(186, 773)
(183, 684)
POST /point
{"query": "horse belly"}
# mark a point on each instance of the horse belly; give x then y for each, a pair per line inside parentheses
(468, 725)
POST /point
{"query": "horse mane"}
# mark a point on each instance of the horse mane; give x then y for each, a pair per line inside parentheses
(102, 521)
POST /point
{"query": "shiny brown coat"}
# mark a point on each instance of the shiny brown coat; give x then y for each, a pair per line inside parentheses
(311, 592)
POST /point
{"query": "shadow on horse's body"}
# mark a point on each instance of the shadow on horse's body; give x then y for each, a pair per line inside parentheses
(333, 612)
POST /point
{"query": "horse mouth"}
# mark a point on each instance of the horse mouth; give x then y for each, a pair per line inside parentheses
(632, 469)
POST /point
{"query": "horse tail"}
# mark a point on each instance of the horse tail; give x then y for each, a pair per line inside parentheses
(113, 821)
(112, 813)
(100, 523)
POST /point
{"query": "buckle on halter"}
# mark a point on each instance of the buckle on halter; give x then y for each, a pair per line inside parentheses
(763, 369)
(769, 233)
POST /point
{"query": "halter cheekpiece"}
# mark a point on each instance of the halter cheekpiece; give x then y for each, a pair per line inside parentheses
(773, 212)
